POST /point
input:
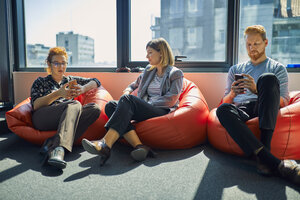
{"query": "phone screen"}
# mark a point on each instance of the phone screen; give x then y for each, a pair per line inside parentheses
(238, 76)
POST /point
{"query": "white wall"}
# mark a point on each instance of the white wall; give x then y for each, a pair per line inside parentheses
(211, 84)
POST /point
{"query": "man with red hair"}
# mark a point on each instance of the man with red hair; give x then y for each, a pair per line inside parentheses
(257, 88)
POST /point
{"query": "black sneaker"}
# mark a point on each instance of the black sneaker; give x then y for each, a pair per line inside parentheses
(290, 170)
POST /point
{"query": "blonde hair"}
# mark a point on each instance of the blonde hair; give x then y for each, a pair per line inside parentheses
(256, 29)
(162, 46)
(61, 51)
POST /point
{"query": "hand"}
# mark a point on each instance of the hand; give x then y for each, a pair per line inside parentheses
(237, 88)
(127, 91)
(72, 83)
(65, 91)
(249, 83)
(77, 90)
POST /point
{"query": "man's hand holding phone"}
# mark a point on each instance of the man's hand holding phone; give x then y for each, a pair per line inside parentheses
(243, 82)
(238, 84)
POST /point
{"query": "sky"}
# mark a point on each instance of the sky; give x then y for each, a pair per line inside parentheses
(93, 18)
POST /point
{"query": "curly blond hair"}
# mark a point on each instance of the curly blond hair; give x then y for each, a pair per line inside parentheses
(61, 51)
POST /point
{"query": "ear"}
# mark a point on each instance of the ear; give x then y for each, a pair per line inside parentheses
(266, 42)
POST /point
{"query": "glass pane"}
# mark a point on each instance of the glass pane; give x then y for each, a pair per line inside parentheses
(86, 28)
(194, 28)
(281, 19)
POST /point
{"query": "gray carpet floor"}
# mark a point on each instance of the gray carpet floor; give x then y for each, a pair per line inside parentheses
(198, 173)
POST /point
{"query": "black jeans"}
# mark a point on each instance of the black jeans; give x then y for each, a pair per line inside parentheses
(266, 107)
(129, 108)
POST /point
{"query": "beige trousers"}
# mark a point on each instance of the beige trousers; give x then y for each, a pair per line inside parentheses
(70, 119)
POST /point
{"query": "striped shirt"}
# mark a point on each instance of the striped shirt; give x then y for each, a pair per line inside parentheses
(154, 89)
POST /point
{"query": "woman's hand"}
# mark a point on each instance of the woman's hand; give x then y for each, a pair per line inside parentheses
(77, 90)
(67, 92)
(126, 92)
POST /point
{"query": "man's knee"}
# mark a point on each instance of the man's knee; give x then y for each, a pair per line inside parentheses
(268, 79)
(223, 109)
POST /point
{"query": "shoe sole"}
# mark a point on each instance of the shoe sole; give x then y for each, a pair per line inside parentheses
(89, 147)
(139, 154)
(57, 163)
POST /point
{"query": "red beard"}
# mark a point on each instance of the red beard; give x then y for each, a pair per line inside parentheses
(257, 55)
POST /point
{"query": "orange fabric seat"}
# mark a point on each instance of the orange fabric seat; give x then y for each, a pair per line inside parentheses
(19, 118)
(183, 128)
(285, 143)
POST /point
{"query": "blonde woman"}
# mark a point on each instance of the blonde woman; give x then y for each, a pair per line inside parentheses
(159, 88)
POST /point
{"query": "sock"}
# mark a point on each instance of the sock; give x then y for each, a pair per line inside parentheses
(268, 159)
(266, 137)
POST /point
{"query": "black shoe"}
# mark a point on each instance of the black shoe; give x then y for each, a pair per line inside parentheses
(141, 152)
(263, 169)
(56, 158)
(49, 144)
(290, 170)
(98, 147)
(46, 146)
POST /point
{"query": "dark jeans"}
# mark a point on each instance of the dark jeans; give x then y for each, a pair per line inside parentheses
(129, 108)
(266, 107)
(70, 119)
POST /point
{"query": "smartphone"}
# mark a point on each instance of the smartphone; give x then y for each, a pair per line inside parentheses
(237, 77)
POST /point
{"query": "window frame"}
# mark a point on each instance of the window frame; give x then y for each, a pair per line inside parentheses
(195, 66)
(123, 20)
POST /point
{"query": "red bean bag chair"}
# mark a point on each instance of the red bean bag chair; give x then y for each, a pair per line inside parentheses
(183, 128)
(285, 143)
(19, 118)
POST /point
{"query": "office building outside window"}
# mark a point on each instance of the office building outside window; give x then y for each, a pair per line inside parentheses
(196, 29)
(87, 29)
(192, 27)
(281, 19)
(80, 48)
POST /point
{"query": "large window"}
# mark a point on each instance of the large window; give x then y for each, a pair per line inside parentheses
(192, 28)
(86, 28)
(281, 20)
(100, 35)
